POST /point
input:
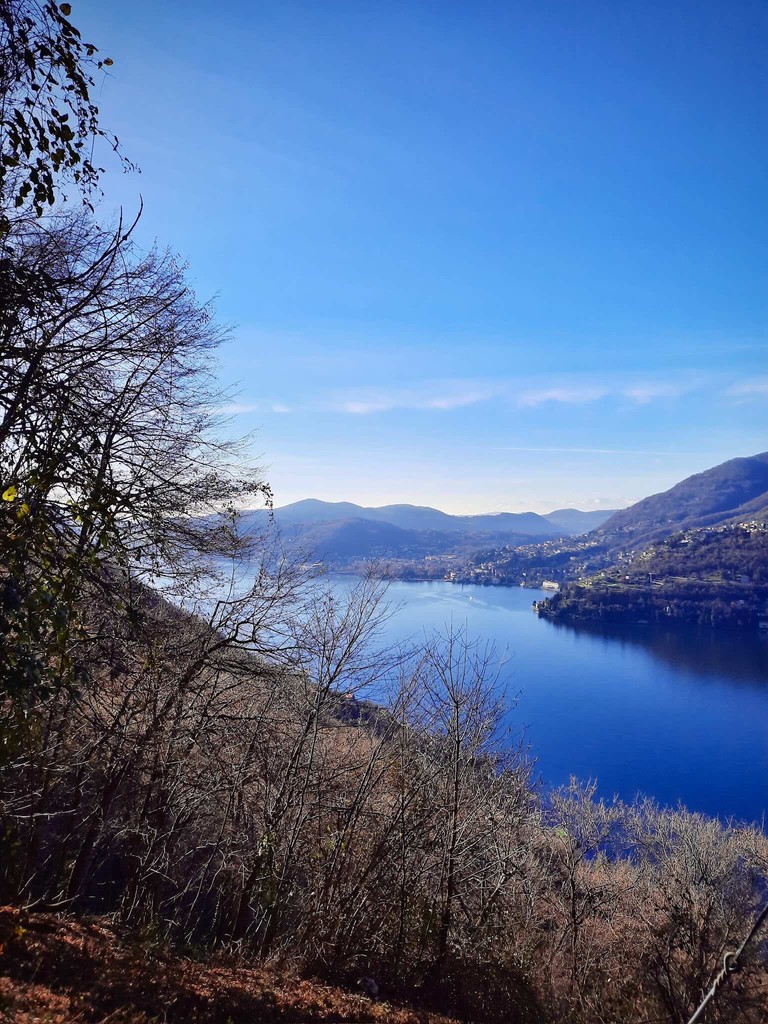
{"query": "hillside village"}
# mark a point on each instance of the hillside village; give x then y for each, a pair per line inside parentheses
(711, 576)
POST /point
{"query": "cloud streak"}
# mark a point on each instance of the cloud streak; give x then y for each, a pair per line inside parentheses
(641, 392)
(649, 392)
(567, 395)
(750, 389)
(237, 408)
(446, 395)
(456, 394)
(588, 451)
(431, 395)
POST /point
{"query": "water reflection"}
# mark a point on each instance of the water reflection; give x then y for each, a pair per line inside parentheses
(677, 714)
(740, 657)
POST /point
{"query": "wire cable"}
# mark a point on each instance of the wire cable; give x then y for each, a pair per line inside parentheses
(731, 966)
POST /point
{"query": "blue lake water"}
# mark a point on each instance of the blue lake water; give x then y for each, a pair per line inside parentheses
(676, 715)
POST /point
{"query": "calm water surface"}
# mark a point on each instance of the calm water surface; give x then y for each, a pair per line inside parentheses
(680, 716)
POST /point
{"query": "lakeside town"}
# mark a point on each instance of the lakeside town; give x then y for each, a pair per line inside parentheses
(716, 576)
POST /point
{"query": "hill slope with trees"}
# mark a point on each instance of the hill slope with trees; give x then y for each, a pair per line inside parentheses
(712, 576)
(730, 492)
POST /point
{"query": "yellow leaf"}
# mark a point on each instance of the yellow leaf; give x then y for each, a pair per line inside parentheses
(24, 510)
(9, 494)
(108, 62)
(66, 9)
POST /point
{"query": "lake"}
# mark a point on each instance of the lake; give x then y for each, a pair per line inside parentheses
(677, 715)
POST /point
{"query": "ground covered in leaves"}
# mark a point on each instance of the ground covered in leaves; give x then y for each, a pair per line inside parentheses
(57, 970)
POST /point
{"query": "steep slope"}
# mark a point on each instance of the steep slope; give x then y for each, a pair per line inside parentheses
(705, 576)
(726, 493)
(732, 493)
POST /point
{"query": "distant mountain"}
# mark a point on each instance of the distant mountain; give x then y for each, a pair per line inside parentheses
(573, 522)
(364, 538)
(528, 523)
(732, 492)
(344, 540)
(407, 517)
(312, 512)
(338, 531)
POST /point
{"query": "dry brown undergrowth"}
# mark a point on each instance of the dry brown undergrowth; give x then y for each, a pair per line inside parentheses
(80, 972)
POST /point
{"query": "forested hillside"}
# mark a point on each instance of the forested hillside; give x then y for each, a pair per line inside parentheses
(715, 577)
(731, 492)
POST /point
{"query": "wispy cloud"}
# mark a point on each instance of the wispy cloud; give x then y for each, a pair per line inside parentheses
(237, 408)
(444, 395)
(586, 451)
(647, 392)
(243, 408)
(568, 395)
(437, 395)
(642, 392)
(749, 389)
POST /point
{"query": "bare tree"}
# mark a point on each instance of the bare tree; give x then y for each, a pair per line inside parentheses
(113, 461)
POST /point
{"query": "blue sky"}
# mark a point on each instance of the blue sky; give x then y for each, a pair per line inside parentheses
(481, 256)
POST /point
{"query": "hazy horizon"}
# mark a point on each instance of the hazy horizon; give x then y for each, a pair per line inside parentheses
(541, 508)
(383, 504)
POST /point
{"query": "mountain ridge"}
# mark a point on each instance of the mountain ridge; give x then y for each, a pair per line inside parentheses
(341, 532)
(311, 511)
